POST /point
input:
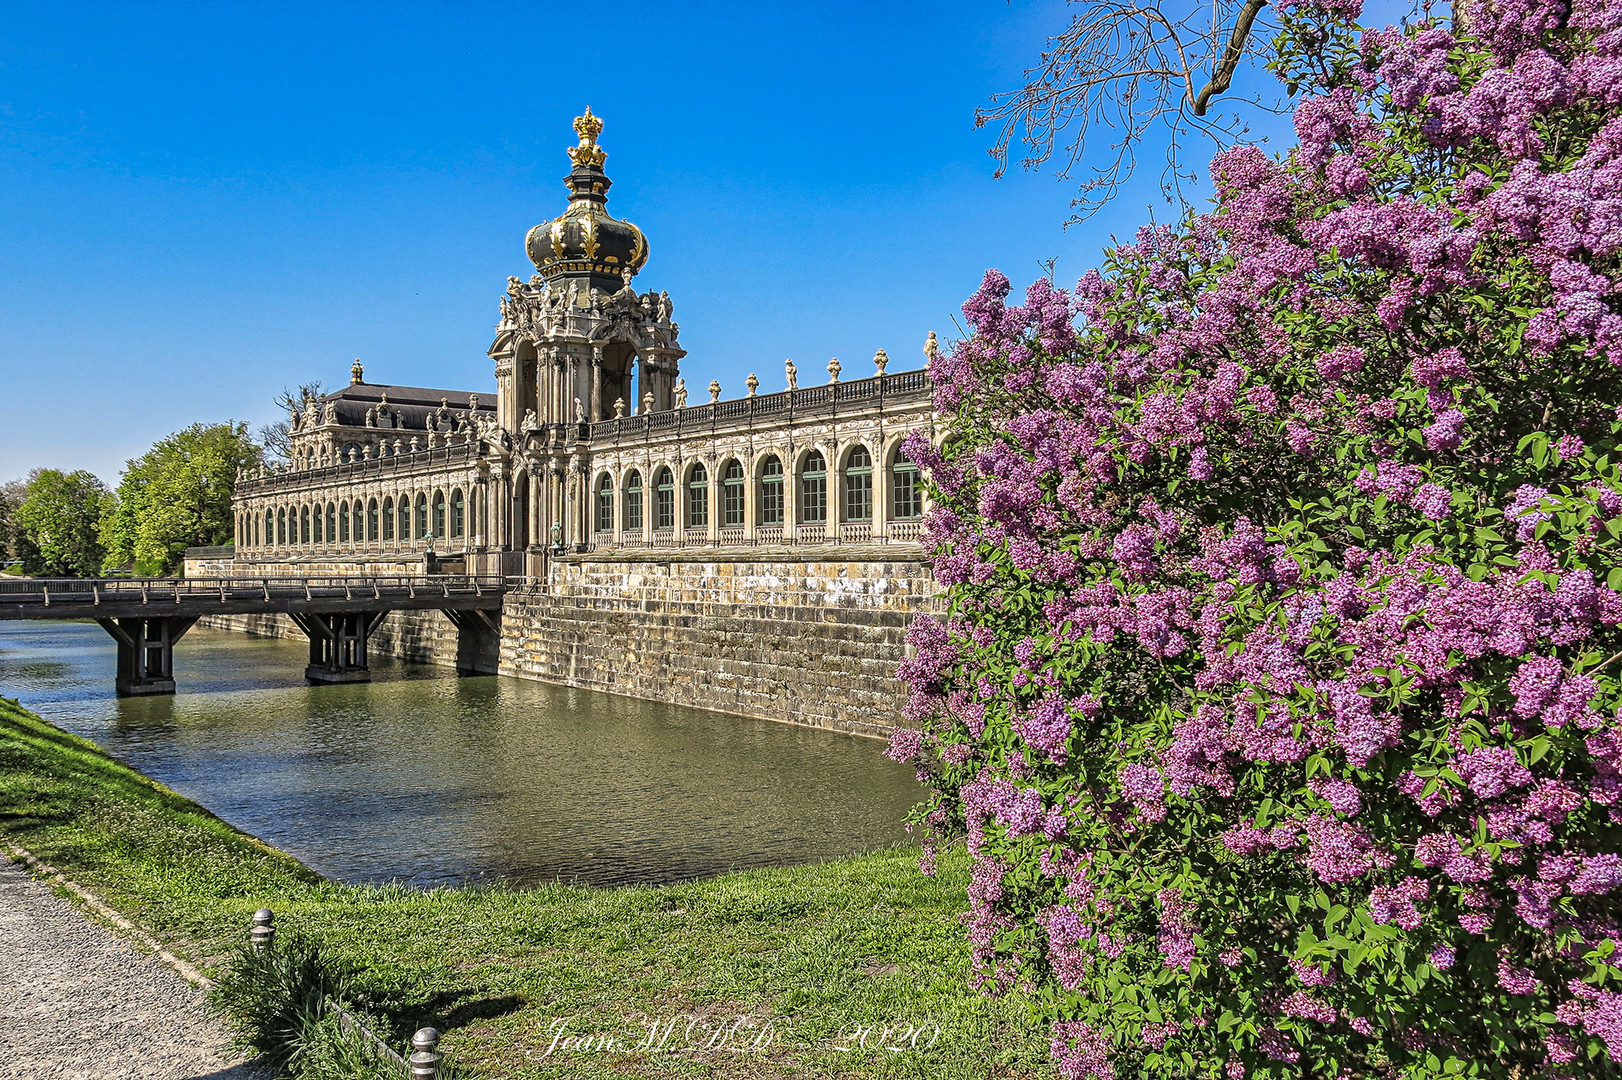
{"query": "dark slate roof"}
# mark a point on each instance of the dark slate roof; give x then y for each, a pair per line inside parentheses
(412, 404)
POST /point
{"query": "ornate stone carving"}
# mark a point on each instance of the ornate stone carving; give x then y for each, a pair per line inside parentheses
(715, 391)
(881, 360)
(792, 374)
(752, 383)
(833, 370)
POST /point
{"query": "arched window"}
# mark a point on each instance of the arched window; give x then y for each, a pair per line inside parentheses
(343, 526)
(605, 504)
(907, 488)
(320, 524)
(664, 499)
(304, 525)
(281, 527)
(332, 522)
(458, 515)
(859, 485)
(633, 502)
(270, 528)
(371, 519)
(388, 518)
(814, 489)
(359, 513)
(439, 513)
(698, 498)
(422, 517)
(405, 517)
(732, 493)
(771, 492)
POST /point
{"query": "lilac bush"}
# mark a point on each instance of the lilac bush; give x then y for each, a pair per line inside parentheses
(1278, 696)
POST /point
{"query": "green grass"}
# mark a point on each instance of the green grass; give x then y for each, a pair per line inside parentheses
(819, 950)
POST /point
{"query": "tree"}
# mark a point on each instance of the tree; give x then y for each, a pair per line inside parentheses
(178, 495)
(274, 438)
(12, 495)
(1132, 69)
(56, 524)
(1279, 702)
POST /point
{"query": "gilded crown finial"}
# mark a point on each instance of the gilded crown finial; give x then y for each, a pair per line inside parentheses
(588, 153)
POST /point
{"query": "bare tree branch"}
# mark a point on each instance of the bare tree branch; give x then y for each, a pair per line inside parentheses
(1131, 67)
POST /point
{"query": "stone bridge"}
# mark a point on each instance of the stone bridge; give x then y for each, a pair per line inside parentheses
(147, 616)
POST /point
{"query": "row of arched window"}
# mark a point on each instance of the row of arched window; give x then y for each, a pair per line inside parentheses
(847, 496)
(388, 520)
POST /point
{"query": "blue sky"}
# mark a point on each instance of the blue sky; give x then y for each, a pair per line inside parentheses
(203, 204)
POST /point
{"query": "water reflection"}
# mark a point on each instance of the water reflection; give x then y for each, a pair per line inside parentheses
(434, 779)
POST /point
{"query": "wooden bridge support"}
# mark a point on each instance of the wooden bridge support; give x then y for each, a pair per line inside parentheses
(146, 652)
(338, 644)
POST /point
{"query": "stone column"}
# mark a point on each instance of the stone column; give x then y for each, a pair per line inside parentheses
(596, 412)
(537, 511)
(881, 492)
(791, 494)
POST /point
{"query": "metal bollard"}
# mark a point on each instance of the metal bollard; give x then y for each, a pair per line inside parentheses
(425, 1061)
(263, 934)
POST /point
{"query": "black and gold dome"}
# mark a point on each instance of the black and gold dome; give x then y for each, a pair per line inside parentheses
(585, 243)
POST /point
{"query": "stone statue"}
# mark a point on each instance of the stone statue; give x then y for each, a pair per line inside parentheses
(536, 280)
(472, 403)
(834, 370)
(371, 416)
(715, 391)
(625, 276)
(751, 382)
(932, 347)
(665, 308)
(647, 402)
(791, 372)
(619, 408)
(530, 420)
(881, 359)
(579, 412)
(514, 286)
(573, 299)
(293, 418)
(681, 393)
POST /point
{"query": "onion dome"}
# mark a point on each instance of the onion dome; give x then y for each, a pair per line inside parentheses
(585, 243)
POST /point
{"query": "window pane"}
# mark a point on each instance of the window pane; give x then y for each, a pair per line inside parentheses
(909, 492)
(771, 492)
(698, 499)
(814, 490)
(665, 502)
(633, 503)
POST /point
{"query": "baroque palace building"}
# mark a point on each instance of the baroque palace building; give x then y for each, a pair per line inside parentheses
(591, 447)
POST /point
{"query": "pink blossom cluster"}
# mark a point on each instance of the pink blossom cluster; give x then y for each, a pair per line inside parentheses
(1286, 639)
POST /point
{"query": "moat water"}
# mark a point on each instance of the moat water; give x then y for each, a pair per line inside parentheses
(428, 778)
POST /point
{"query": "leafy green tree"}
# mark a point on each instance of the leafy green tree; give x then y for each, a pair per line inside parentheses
(177, 495)
(11, 497)
(57, 524)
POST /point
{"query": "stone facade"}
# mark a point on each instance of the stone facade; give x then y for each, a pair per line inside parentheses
(756, 555)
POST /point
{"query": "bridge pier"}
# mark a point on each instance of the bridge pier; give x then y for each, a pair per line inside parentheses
(338, 644)
(146, 652)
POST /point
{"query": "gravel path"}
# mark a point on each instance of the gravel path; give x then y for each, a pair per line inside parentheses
(79, 1002)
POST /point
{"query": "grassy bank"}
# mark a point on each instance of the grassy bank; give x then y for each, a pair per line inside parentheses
(819, 951)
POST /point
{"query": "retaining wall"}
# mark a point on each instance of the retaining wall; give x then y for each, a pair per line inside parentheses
(803, 638)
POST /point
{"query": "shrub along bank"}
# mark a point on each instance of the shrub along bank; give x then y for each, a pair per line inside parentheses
(513, 975)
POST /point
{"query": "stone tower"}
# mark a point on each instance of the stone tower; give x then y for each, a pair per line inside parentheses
(575, 345)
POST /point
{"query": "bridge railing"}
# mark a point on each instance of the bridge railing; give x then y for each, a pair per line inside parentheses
(175, 590)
